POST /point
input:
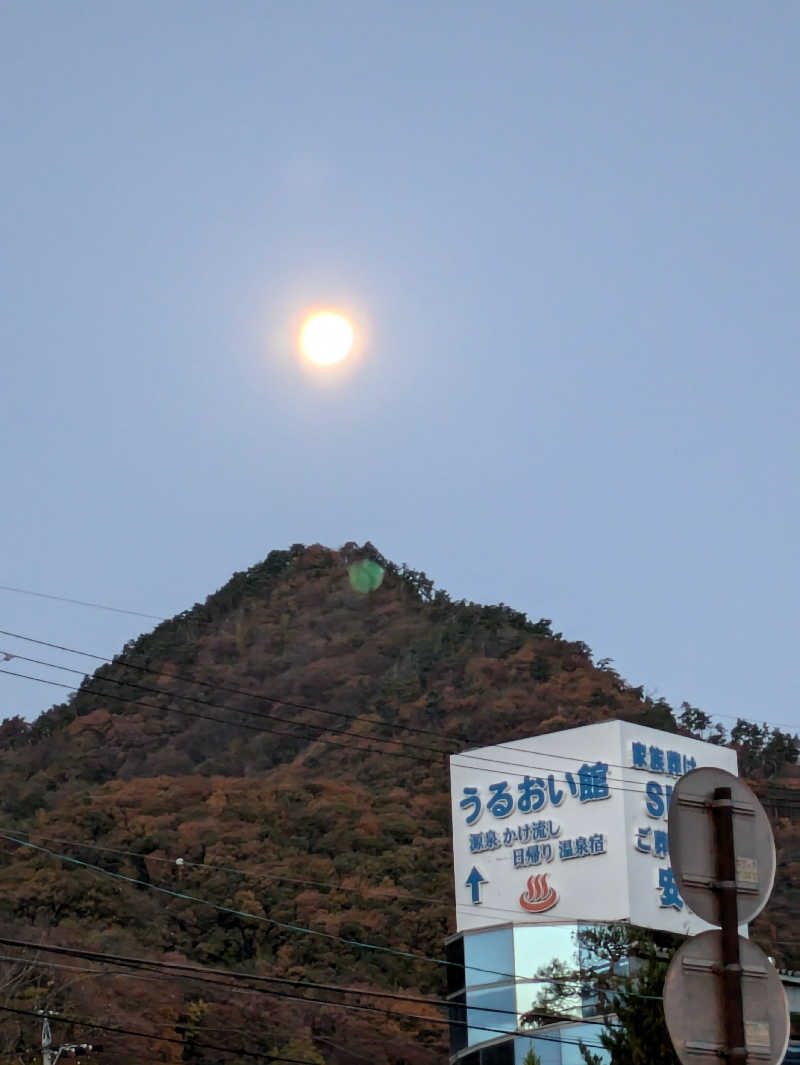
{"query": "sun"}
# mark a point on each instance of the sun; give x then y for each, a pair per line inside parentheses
(326, 337)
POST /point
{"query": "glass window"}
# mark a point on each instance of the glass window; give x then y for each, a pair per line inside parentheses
(497, 1013)
(549, 1050)
(538, 946)
(586, 1033)
(592, 962)
(559, 1046)
(488, 956)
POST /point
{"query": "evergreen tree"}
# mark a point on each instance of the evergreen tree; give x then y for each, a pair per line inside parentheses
(620, 971)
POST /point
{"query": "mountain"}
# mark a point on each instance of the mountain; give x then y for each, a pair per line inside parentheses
(261, 784)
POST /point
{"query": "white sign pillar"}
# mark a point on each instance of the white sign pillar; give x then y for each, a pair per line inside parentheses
(572, 826)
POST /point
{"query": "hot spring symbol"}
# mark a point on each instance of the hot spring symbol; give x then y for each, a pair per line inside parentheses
(540, 896)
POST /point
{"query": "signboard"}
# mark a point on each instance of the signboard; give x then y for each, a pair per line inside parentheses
(572, 826)
(722, 995)
(694, 847)
(694, 1003)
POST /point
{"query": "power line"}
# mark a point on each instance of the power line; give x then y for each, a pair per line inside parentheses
(162, 971)
(351, 1053)
(80, 602)
(320, 728)
(332, 885)
(97, 1026)
(151, 968)
(203, 980)
(219, 720)
(300, 706)
(230, 709)
(158, 617)
(116, 1029)
(287, 926)
(325, 729)
(208, 975)
(515, 748)
(126, 661)
(497, 764)
(397, 1015)
(410, 955)
(238, 913)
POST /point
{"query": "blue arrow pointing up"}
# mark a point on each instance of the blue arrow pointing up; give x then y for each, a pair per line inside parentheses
(474, 881)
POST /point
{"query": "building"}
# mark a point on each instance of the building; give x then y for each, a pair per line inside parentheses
(550, 835)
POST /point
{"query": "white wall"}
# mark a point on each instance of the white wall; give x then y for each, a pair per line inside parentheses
(590, 795)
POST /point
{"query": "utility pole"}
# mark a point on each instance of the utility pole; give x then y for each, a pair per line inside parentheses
(722, 813)
(47, 1041)
(51, 1056)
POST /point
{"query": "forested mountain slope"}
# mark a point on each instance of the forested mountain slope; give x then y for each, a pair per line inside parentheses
(261, 784)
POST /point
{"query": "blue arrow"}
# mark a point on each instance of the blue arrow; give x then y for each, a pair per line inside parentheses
(474, 881)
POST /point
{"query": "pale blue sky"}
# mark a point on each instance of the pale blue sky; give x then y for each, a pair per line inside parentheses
(570, 233)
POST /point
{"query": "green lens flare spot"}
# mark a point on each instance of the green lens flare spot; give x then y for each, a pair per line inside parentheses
(365, 576)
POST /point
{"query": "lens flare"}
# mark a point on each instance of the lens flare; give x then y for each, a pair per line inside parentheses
(365, 576)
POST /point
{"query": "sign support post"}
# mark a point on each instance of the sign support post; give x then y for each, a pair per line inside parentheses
(722, 811)
(722, 995)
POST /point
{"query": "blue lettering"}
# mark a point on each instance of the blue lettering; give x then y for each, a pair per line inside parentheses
(660, 844)
(654, 802)
(674, 764)
(668, 889)
(531, 795)
(639, 753)
(471, 799)
(656, 759)
(501, 803)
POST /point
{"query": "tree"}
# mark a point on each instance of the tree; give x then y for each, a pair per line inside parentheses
(698, 725)
(25, 985)
(779, 749)
(762, 750)
(13, 730)
(620, 972)
(694, 720)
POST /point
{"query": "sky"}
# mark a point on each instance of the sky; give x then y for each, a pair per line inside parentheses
(567, 236)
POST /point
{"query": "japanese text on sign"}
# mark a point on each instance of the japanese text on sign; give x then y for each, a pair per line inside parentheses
(589, 784)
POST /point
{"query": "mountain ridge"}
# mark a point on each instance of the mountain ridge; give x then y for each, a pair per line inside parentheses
(289, 727)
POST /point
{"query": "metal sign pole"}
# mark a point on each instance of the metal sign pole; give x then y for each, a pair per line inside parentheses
(723, 997)
(722, 810)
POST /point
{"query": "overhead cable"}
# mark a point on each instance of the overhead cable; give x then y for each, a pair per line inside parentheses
(218, 720)
(80, 602)
(494, 765)
(117, 1029)
(223, 978)
(288, 926)
(125, 660)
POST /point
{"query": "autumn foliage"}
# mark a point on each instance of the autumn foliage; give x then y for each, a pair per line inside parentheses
(251, 737)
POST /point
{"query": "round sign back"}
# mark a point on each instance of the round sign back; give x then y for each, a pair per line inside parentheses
(694, 1003)
(693, 845)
